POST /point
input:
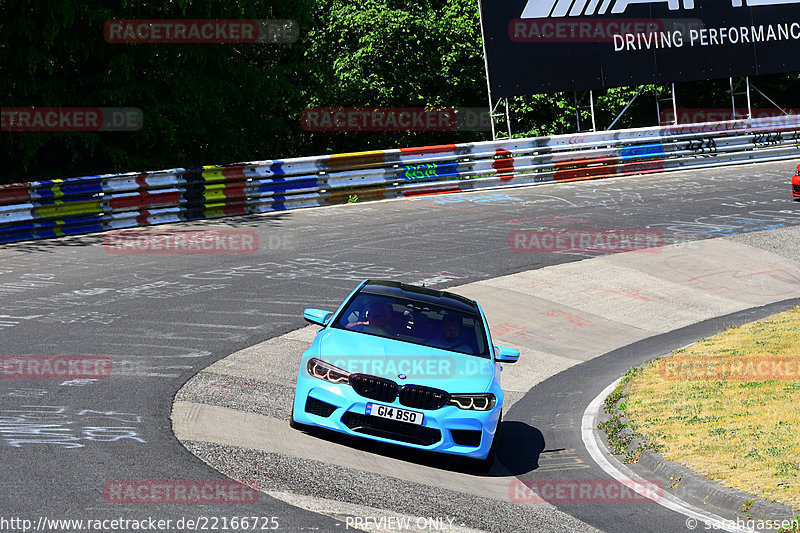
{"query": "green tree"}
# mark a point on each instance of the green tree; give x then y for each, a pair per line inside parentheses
(389, 53)
(202, 103)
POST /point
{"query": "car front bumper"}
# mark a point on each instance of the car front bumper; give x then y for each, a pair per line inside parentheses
(449, 429)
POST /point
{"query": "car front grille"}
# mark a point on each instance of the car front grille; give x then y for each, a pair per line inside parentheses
(386, 390)
(391, 429)
(375, 388)
(796, 189)
(423, 397)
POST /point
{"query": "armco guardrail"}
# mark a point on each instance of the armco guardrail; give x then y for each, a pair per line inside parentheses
(117, 201)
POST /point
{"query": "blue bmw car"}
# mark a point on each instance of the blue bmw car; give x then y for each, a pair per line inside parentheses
(406, 365)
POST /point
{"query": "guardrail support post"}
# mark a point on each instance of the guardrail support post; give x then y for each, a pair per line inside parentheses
(672, 99)
(579, 108)
(494, 114)
(768, 99)
(635, 96)
(745, 93)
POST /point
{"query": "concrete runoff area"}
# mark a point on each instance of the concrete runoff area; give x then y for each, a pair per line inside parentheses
(557, 316)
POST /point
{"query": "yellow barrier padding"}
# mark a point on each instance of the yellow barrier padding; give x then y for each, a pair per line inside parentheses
(60, 209)
(356, 160)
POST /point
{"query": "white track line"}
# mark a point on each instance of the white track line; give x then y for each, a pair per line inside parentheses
(633, 480)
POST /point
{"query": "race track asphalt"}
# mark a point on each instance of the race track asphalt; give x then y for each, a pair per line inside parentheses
(161, 318)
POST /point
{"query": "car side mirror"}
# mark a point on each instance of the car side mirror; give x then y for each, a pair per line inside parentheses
(317, 316)
(505, 355)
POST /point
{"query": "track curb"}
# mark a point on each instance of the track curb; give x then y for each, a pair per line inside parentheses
(695, 487)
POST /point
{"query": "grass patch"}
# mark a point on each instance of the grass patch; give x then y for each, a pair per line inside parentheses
(621, 434)
(711, 407)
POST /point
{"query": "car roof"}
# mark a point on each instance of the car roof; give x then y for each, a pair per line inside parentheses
(420, 294)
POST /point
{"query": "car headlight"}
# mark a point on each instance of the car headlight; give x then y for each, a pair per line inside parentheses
(322, 370)
(473, 402)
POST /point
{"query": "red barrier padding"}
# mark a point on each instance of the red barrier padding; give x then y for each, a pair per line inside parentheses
(146, 199)
(428, 149)
(234, 173)
(16, 193)
(504, 164)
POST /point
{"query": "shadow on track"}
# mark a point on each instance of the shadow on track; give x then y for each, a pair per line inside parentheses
(518, 448)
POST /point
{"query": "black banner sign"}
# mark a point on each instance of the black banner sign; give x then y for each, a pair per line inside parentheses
(540, 46)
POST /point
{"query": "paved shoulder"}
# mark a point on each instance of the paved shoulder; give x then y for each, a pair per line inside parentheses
(559, 317)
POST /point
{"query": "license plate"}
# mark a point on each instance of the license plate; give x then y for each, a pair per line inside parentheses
(393, 413)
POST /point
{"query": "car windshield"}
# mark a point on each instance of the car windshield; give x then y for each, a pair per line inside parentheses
(416, 322)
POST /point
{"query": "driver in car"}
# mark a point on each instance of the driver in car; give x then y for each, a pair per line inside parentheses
(376, 323)
(452, 335)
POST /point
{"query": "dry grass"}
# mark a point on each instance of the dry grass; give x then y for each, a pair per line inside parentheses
(742, 432)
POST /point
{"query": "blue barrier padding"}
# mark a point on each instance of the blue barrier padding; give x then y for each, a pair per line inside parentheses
(632, 152)
(278, 203)
(26, 232)
(429, 170)
(41, 202)
(16, 236)
(286, 184)
(74, 229)
(85, 188)
(53, 223)
(69, 187)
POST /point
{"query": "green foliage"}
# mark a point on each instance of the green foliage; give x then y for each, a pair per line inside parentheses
(386, 53)
(611, 401)
(202, 103)
(221, 103)
(619, 432)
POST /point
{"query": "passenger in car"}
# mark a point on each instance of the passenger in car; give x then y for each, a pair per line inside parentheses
(453, 337)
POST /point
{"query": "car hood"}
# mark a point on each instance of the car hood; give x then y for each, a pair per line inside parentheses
(359, 353)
